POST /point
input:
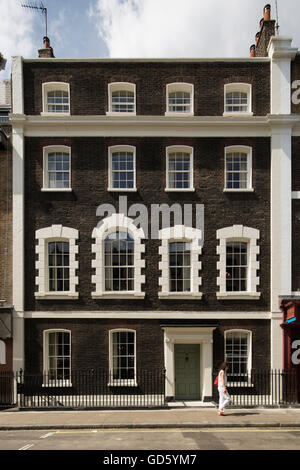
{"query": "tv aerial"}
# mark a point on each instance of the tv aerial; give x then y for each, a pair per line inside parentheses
(41, 8)
(277, 24)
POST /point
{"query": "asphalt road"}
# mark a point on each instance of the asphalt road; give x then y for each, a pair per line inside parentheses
(152, 439)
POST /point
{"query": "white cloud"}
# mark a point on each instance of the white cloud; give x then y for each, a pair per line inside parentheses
(193, 28)
(16, 32)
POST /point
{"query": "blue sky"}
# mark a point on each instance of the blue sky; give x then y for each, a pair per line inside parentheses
(140, 28)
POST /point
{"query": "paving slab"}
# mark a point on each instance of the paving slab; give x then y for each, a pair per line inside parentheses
(15, 419)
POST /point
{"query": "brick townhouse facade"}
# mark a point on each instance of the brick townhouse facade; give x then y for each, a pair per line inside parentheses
(97, 143)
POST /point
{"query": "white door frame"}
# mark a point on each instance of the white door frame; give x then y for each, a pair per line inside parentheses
(188, 335)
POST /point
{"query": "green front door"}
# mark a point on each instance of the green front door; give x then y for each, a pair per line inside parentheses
(187, 371)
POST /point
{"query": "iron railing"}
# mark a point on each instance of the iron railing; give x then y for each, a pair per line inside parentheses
(262, 388)
(7, 389)
(91, 389)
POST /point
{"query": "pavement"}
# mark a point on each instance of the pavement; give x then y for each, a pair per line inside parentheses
(189, 417)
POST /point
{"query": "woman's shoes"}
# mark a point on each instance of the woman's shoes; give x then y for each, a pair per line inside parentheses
(221, 413)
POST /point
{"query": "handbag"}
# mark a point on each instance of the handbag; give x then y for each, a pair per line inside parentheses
(216, 382)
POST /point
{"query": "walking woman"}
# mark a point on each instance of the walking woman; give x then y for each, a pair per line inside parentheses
(224, 397)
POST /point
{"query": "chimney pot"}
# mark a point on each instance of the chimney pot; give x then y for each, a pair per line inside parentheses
(46, 41)
(267, 12)
(252, 50)
(257, 36)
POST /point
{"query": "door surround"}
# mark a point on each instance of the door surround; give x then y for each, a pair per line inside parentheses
(189, 335)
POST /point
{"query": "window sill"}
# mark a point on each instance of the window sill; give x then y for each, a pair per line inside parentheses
(171, 114)
(237, 113)
(238, 190)
(56, 190)
(57, 296)
(55, 114)
(118, 190)
(180, 295)
(118, 295)
(238, 295)
(122, 383)
(110, 113)
(179, 190)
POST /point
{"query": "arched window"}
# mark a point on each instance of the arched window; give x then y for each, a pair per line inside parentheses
(179, 168)
(180, 99)
(237, 98)
(238, 168)
(56, 263)
(118, 263)
(238, 263)
(122, 98)
(56, 98)
(180, 250)
(57, 168)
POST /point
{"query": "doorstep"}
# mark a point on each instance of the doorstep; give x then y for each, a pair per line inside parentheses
(190, 404)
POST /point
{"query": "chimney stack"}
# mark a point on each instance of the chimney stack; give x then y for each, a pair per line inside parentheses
(47, 51)
(267, 30)
(252, 50)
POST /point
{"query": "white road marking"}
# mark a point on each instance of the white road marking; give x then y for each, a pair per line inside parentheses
(26, 447)
(47, 435)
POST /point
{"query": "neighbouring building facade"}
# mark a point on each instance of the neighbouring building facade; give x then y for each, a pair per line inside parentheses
(6, 311)
(155, 220)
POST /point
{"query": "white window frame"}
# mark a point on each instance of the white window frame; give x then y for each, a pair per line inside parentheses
(115, 149)
(180, 233)
(120, 86)
(239, 149)
(52, 234)
(55, 383)
(2, 352)
(180, 149)
(52, 149)
(181, 87)
(238, 233)
(54, 86)
(121, 382)
(243, 88)
(247, 382)
(117, 222)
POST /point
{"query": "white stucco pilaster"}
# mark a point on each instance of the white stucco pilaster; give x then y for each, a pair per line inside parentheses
(281, 54)
(18, 213)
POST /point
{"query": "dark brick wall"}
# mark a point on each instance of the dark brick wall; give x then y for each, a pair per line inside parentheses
(89, 84)
(89, 183)
(90, 342)
(149, 342)
(295, 163)
(295, 245)
(295, 74)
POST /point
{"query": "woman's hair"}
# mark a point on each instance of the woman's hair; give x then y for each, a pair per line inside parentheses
(224, 365)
